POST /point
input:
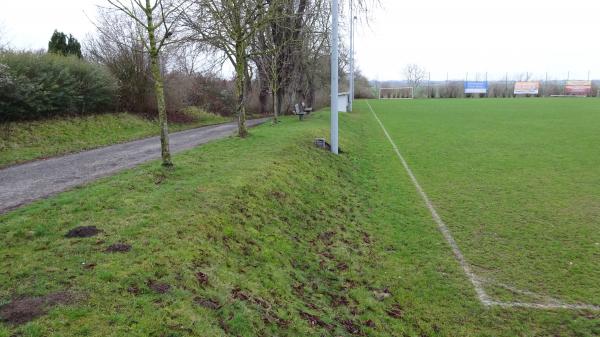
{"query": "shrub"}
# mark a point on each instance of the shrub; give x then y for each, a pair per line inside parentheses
(212, 94)
(202, 116)
(34, 85)
(362, 87)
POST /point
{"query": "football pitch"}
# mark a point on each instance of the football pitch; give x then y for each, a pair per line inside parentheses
(514, 186)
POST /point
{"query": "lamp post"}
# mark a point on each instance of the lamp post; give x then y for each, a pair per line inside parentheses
(334, 76)
(351, 86)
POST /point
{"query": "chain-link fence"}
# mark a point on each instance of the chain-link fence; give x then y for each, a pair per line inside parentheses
(498, 87)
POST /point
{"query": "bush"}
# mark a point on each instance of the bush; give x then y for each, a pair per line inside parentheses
(34, 86)
(212, 94)
(202, 116)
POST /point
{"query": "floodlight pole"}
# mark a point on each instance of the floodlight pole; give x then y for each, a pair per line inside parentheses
(446, 93)
(487, 91)
(429, 86)
(351, 86)
(334, 76)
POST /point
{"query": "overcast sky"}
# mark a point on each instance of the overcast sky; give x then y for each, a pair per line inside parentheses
(460, 36)
(444, 36)
(29, 23)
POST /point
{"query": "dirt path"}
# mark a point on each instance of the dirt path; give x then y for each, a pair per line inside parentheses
(23, 184)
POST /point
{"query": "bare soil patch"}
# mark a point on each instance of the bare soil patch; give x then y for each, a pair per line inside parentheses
(118, 248)
(161, 288)
(26, 309)
(351, 327)
(314, 320)
(396, 311)
(202, 278)
(207, 303)
(83, 232)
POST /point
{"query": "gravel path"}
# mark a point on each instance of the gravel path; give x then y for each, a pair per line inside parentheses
(23, 184)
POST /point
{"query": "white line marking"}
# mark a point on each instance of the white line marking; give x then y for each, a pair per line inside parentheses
(476, 281)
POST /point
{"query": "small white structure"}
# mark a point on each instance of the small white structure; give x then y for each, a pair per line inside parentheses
(343, 102)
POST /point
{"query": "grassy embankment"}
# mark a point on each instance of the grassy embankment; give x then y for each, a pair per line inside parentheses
(266, 236)
(24, 141)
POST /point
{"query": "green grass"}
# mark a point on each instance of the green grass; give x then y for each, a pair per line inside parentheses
(25, 141)
(279, 228)
(516, 181)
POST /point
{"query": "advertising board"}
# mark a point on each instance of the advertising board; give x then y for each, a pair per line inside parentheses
(476, 87)
(527, 88)
(583, 88)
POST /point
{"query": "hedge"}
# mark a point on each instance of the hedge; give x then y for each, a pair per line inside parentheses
(36, 85)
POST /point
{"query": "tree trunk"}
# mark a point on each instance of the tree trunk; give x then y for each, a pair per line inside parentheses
(311, 93)
(276, 106)
(263, 96)
(160, 93)
(162, 113)
(240, 91)
(279, 101)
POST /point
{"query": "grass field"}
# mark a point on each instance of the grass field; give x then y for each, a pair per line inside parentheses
(517, 182)
(269, 236)
(24, 141)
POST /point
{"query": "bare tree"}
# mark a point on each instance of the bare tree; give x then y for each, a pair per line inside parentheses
(414, 75)
(119, 47)
(314, 69)
(188, 58)
(293, 46)
(3, 39)
(158, 19)
(278, 47)
(229, 26)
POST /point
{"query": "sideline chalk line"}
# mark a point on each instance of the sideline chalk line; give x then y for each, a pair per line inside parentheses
(476, 281)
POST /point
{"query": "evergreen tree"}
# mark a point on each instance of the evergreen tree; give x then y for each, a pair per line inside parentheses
(58, 43)
(63, 45)
(73, 46)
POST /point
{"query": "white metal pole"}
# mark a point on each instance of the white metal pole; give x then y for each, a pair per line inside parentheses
(351, 86)
(354, 58)
(334, 76)
(429, 86)
(487, 91)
